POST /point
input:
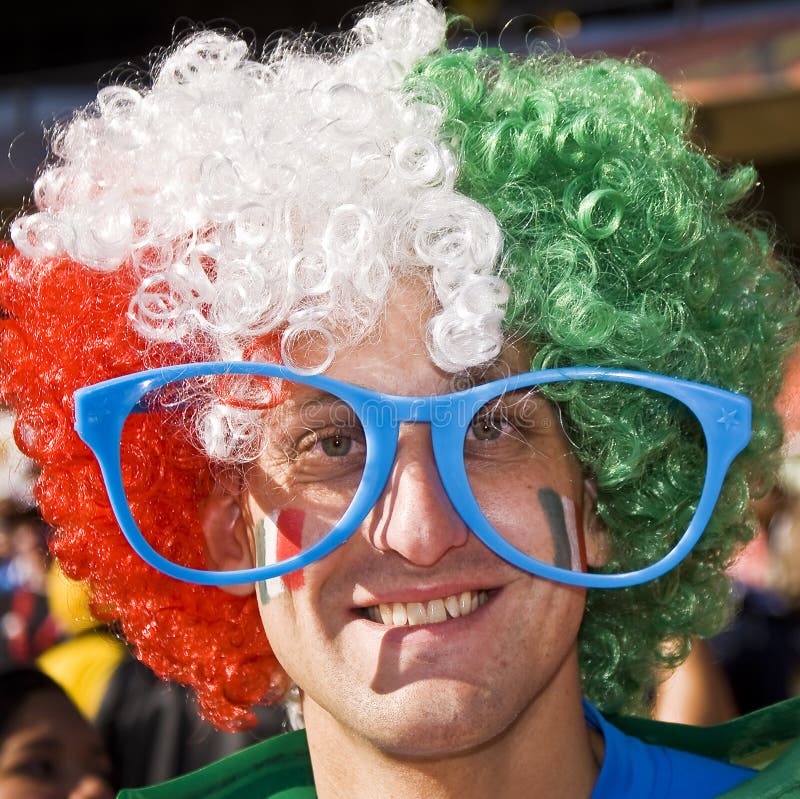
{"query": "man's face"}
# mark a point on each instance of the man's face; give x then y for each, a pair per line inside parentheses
(444, 685)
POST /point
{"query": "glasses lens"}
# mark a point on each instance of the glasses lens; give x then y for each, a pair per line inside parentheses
(521, 454)
(294, 453)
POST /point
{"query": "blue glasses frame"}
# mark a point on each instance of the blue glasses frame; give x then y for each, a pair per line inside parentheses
(101, 411)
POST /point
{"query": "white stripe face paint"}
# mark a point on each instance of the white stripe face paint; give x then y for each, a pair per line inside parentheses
(266, 535)
(574, 536)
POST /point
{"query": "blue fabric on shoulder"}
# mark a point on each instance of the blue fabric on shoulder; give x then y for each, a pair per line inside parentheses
(633, 769)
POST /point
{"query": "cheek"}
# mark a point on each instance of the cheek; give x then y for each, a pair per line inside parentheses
(12, 787)
(538, 515)
(293, 624)
(555, 611)
(280, 622)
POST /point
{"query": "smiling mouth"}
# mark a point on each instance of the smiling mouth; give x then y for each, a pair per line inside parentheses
(409, 614)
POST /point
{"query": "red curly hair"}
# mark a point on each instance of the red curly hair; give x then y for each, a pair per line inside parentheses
(64, 327)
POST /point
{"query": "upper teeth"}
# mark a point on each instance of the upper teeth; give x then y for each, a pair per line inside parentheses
(398, 614)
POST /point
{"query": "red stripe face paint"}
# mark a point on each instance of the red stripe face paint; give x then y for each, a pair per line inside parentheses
(278, 536)
(290, 543)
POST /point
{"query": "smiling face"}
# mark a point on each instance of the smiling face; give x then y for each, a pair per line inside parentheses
(413, 634)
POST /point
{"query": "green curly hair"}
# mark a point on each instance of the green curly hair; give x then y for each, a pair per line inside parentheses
(626, 246)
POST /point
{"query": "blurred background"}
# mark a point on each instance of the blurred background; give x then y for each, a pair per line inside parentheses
(738, 61)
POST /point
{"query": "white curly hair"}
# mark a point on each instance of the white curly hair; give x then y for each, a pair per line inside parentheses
(284, 194)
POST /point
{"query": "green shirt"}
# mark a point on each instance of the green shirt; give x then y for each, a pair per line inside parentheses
(280, 768)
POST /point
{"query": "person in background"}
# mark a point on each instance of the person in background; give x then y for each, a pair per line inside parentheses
(755, 661)
(27, 627)
(152, 729)
(47, 749)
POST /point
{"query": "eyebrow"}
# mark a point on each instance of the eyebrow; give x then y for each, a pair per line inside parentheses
(49, 743)
(486, 373)
(305, 393)
(36, 741)
(308, 408)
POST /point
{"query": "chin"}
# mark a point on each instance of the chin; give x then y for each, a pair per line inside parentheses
(417, 727)
(434, 745)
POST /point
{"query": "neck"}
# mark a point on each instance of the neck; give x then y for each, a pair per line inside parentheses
(546, 751)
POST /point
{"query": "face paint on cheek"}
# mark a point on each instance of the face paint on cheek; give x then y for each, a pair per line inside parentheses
(578, 512)
(279, 536)
(563, 522)
(265, 535)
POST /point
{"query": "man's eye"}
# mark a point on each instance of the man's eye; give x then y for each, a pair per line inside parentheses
(37, 768)
(336, 445)
(486, 428)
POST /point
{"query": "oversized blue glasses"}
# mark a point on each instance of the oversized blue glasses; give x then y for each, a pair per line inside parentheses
(319, 454)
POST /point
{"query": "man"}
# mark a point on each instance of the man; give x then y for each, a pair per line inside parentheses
(370, 272)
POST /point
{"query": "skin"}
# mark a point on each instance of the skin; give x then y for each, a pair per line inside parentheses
(6, 544)
(487, 704)
(49, 751)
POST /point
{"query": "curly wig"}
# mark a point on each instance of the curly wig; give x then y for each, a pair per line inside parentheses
(237, 203)
(622, 247)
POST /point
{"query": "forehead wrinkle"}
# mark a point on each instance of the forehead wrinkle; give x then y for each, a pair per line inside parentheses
(395, 357)
(363, 372)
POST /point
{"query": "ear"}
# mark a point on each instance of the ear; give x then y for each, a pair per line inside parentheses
(225, 529)
(595, 534)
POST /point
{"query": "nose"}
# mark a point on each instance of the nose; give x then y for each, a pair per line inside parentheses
(415, 517)
(91, 786)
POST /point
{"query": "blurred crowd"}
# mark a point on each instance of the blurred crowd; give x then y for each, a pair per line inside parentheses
(755, 661)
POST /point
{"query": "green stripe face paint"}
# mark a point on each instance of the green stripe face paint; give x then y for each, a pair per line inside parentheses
(562, 521)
